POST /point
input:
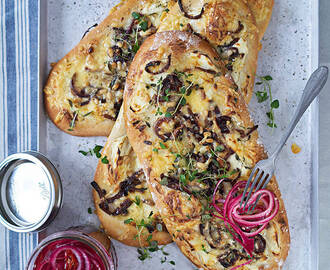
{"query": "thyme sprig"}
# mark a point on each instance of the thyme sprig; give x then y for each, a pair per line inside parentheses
(264, 95)
(97, 152)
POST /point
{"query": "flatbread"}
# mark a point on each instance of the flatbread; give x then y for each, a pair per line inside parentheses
(199, 131)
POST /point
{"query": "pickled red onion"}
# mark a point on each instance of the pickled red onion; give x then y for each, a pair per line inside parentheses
(54, 256)
(240, 221)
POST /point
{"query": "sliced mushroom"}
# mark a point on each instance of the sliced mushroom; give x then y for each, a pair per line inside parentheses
(221, 121)
(228, 258)
(259, 244)
(171, 82)
(212, 233)
(185, 13)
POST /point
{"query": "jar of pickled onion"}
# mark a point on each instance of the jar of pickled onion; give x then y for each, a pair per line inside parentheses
(78, 248)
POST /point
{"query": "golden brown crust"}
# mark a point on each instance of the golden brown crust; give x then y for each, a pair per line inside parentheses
(109, 177)
(88, 61)
(173, 204)
(262, 11)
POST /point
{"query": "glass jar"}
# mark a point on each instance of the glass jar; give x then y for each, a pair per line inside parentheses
(75, 248)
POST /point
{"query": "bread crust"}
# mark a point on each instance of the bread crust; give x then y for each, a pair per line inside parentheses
(178, 44)
(87, 60)
(262, 10)
(108, 177)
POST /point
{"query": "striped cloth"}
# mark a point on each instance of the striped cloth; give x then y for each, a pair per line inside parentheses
(19, 68)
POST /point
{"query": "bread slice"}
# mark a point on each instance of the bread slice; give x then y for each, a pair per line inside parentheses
(229, 26)
(198, 130)
(123, 185)
(84, 90)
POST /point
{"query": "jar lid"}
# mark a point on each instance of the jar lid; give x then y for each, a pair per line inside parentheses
(30, 192)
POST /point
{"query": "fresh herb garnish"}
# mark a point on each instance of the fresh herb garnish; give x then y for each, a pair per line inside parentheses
(89, 210)
(73, 121)
(105, 160)
(128, 221)
(204, 249)
(137, 200)
(264, 95)
(163, 146)
(96, 150)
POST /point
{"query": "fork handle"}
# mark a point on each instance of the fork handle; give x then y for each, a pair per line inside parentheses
(313, 87)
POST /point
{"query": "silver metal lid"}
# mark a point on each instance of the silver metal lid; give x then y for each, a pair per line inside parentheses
(30, 192)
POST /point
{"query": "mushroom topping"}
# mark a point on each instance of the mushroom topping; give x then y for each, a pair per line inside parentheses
(259, 244)
(153, 66)
(228, 258)
(212, 233)
(171, 82)
(185, 13)
(165, 128)
(221, 121)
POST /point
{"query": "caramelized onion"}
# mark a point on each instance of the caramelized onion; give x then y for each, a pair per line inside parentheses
(157, 63)
(157, 128)
(100, 192)
(192, 17)
(211, 71)
(80, 93)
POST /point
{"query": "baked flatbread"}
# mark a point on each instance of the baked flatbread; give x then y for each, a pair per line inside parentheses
(198, 131)
(121, 196)
(84, 91)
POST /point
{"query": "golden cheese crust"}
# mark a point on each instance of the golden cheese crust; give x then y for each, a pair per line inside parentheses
(229, 26)
(198, 129)
(124, 174)
(84, 90)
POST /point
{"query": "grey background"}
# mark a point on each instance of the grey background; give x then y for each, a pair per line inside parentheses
(324, 156)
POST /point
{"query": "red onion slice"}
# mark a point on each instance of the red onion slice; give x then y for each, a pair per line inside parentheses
(74, 250)
(236, 219)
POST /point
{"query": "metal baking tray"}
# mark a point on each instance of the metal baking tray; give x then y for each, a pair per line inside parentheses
(289, 54)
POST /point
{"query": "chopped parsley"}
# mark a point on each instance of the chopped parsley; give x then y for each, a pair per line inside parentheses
(90, 211)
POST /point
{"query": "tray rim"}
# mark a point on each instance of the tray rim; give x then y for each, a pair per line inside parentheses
(314, 114)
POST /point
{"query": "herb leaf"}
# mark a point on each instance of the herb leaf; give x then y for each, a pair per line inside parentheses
(105, 160)
(275, 104)
(136, 15)
(163, 146)
(128, 221)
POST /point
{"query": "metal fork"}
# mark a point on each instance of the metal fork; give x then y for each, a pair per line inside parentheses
(264, 169)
